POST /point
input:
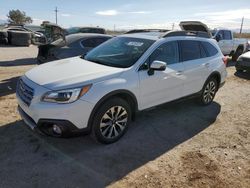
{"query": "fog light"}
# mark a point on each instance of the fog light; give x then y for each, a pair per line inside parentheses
(57, 129)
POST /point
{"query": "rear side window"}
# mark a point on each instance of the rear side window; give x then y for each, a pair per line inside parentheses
(190, 50)
(167, 52)
(209, 48)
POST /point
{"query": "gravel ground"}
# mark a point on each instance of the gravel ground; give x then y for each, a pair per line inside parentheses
(180, 144)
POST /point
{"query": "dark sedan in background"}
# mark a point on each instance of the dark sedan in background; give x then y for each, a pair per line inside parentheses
(72, 45)
(243, 62)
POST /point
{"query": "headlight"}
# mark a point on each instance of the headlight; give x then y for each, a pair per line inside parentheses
(239, 59)
(65, 96)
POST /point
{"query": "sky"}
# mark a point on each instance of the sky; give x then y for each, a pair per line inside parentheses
(130, 14)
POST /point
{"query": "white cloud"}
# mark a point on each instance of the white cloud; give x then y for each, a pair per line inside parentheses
(66, 15)
(166, 25)
(115, 12)
(37, 21)
(2, 17)
(107, 12)
(230, 19)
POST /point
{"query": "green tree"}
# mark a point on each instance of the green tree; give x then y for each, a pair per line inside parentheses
(18, 17)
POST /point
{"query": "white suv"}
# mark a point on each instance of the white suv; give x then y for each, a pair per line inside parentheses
(101, 92)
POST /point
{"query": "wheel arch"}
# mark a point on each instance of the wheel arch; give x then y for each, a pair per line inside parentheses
(122, 93)
(215, 75)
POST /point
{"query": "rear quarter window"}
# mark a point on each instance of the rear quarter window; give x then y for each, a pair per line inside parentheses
(209, 48)
(190, 50)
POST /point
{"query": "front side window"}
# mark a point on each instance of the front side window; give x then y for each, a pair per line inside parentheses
(190, 50)
(120, 52)
(167, 52)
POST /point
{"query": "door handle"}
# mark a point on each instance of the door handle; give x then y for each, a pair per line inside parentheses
(178, 73)
(206, 64)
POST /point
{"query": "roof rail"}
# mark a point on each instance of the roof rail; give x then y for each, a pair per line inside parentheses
(146, 30)
(186, 33)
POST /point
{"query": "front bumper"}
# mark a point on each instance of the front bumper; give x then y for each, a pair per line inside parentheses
(242, 65)
(73, 117)
(45, 126)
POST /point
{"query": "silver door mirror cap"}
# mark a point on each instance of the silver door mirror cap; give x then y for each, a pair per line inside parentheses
(158, 65)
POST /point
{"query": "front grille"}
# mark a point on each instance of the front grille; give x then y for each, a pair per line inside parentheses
(245, 59)
(25, 92)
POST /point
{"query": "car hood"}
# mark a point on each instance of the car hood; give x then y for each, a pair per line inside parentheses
(70, 73)
(246, 55)
(194, 26)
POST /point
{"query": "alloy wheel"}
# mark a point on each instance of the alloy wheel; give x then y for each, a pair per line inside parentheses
(209, 92)
(113, 122)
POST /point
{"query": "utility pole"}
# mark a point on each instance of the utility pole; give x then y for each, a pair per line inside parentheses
(173, 26)
(242, 21)
(114, 27)
(56, 11)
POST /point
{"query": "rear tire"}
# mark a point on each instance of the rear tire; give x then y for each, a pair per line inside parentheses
(111, 121)
(208, 92)
(238, 52)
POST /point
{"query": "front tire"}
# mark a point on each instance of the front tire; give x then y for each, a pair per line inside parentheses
(111, 120)
(208, 92)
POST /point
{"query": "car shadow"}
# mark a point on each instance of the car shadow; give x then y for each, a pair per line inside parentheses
(244, 75)
(32, 159)
(18, 62)
(231, 63)
(8, 86)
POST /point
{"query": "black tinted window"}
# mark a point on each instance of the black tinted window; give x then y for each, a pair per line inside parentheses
(210, 49)
(227, 35)
(203, 52)
(93, 42)
(88, 43)
(99, 41)
(167, 52)
(190, 50)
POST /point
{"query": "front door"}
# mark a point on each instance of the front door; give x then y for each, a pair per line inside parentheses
(162, 86)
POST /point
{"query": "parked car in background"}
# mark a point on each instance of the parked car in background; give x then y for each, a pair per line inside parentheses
(74, 30)
(248, 45)
(102, 91)
(227, 43)
(72, 45)
(243, 62)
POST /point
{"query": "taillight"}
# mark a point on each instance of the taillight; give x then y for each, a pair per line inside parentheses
(225, 60)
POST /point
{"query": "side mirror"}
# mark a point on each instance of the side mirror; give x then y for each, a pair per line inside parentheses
(157, 66)
(218, 37)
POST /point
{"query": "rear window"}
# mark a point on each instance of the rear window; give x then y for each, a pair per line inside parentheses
(227, 35)
(209, 48)
(190, 50)
(93, 42)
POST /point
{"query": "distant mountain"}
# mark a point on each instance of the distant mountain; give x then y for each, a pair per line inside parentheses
(3, 21)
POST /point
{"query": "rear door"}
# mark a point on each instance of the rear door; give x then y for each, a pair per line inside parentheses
(162, 86)
(193, 57)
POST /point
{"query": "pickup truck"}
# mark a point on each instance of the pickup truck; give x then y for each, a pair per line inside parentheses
(227, 43)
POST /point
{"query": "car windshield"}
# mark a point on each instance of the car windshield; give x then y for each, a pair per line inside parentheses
(120, 52)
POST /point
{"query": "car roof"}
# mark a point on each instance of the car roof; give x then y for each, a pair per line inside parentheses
(147, 35)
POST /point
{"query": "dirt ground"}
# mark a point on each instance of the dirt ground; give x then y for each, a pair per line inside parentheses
(180, 144)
